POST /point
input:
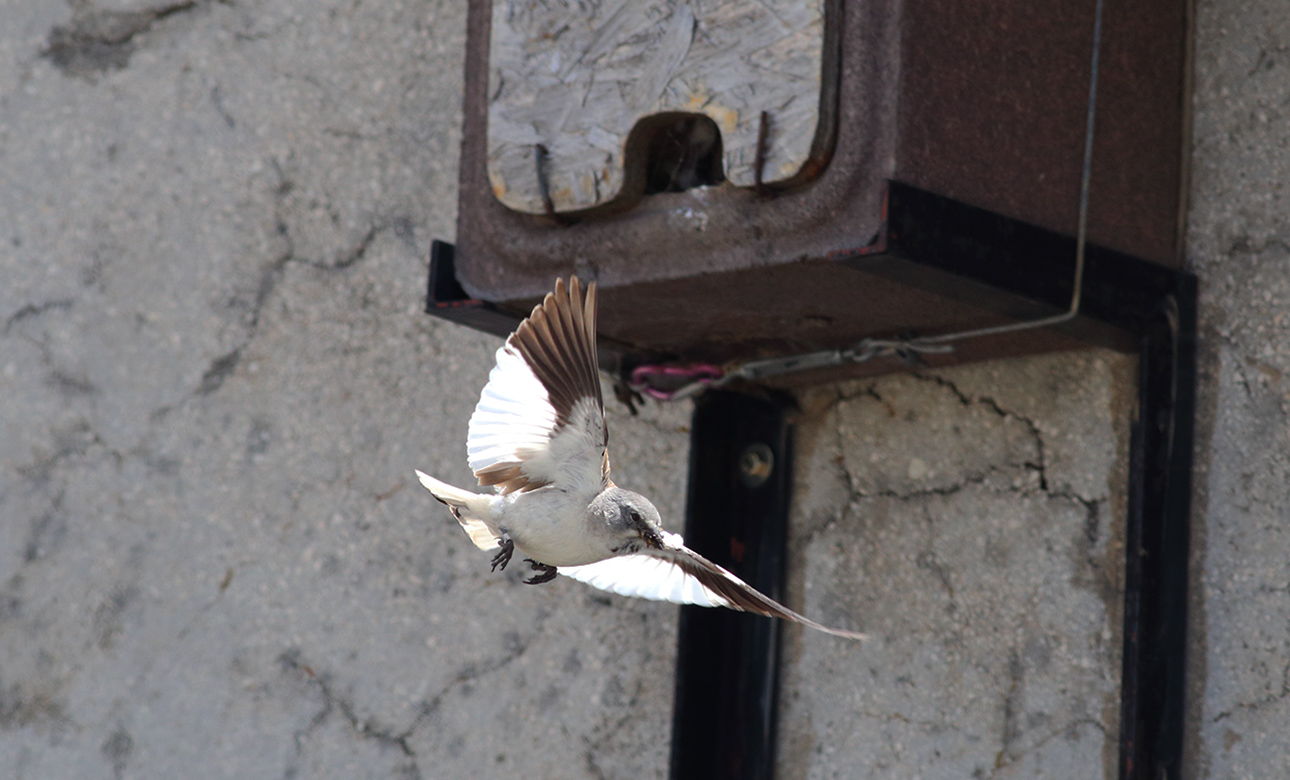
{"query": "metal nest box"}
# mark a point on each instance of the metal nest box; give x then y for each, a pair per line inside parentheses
(756, 179)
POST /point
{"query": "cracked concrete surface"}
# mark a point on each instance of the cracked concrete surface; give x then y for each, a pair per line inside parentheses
(99, 40)
(965, 520)
(1239, 245)
(215, 379)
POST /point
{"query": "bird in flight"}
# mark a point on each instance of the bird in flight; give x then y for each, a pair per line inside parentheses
(538, 438)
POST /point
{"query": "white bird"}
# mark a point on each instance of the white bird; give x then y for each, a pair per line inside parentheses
(538, 437)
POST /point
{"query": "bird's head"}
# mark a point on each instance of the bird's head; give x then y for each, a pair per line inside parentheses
(630, 518)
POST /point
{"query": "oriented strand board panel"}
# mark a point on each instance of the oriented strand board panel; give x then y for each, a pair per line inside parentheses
(575, 77)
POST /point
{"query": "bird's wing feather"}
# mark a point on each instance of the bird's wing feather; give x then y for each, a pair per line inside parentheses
(541, 417)
(678, 574)
(458, 500)
(647, 577)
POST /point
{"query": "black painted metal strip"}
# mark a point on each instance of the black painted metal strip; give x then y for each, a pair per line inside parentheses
(1157, 542)
(727, 662)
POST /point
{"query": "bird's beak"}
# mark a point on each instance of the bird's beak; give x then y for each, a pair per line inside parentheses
(653, 539)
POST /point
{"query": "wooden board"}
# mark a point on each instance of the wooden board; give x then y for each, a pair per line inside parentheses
(575, 77)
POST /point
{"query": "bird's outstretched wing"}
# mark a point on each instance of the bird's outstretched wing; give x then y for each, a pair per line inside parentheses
(678, 574)
(541, 418)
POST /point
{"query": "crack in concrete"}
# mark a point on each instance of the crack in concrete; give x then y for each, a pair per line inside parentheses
(1244, 244)
(472, 672)
(1044, 740)
(224, 366)
(31, 310)
(839, 459)
(220, 369)
(1244, 380)
(21, 709)
(1008, 753)
(990, 403)
(99, 41)
(856, 494)
(385, 735)
(46, 531)
(1039, 467)
(68, 384)
(1092, 524)
(71, 441)
(118, 748)
(354, 255)
(11, 598)
(593, 747)
(217, 100)
(928, 561)
(334, 702)
(1268, 58)
(947, 490)
(1254, 706)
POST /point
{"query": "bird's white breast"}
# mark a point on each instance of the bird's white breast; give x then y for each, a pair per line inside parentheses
(551, 526)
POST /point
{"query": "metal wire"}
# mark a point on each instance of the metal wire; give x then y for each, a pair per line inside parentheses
(1081, 232)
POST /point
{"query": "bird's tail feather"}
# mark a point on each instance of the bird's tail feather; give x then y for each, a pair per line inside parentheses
(468, 507)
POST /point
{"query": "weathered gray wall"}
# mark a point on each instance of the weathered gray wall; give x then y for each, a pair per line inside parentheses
(970, 521)
(1239, 245)
(215, 380)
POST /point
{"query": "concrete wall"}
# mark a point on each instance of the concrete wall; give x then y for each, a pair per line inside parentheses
(970, 521)
(215, 379)
(1239, 244)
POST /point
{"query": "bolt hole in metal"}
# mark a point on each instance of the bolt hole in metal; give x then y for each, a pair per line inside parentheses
(756, 464)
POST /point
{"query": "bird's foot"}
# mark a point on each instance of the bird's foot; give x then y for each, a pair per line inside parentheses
(547, 572)
(503, 555)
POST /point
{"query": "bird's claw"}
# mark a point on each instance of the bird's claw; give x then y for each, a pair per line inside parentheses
(503, 555)
(547, 572)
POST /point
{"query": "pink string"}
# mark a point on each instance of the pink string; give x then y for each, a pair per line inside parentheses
(702, 373)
